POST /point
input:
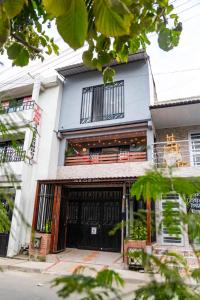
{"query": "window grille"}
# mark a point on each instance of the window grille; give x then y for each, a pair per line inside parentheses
(102, 102)
(175, 202)
(46, 199)
(9, 153)
(195, 147)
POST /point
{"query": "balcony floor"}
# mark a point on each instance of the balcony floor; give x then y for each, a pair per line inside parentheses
(112, 170)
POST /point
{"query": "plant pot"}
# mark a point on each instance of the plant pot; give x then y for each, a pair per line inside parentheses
(135, 244)
(44, 247)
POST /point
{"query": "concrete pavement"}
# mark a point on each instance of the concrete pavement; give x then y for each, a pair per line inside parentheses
(22, 286)
(67, 262)
(16, 285)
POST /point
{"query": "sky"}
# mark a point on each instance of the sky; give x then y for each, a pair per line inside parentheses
(176, 73)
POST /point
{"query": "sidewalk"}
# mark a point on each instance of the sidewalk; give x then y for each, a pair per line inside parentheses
(60, 268)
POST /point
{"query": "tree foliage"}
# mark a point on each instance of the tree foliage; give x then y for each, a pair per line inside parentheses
(97, 286)
(113, 29)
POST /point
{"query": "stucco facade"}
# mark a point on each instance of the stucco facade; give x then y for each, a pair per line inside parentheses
(42, 165)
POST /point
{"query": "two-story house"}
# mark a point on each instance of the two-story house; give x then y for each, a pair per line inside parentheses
(29, 112)
(105, 134)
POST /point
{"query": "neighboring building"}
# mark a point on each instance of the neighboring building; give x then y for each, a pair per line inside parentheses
(177, 135)
(105, 134)
(30, 108)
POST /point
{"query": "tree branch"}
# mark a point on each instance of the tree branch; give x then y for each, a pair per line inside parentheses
(21, 41)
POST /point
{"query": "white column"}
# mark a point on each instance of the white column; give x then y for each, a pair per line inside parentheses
(14, 245)
(150, 141)
(63, 147)
(36, 88)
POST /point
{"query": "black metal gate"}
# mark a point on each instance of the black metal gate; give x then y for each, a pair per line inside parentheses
(4, 238)
(91, 214)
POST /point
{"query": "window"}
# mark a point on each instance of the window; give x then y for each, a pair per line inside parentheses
(12, 151)
(195, 149)
(102, 102)
(45, 209)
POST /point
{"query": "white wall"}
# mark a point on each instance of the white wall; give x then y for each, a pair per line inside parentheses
(46, 163)
(45, 167)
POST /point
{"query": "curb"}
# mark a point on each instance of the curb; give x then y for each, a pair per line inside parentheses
(128, 277)
(21, 269)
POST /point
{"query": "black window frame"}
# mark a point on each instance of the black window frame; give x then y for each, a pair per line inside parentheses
(102, 102)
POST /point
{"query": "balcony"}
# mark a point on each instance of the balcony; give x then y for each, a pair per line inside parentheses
(106, 158)
(17, 107)
(177, 153)
(118, 150)
(10, 154)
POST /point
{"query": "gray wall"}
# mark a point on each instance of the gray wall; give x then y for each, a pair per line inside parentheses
(136, 91)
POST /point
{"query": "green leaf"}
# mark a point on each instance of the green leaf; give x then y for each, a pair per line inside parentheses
(87, 58)
(13, 8)
(165, 39)
(119, 6)
(104, 58)
(108, 74)
(56, 8)
(22, 58)
(4, 26)
(14, 50)
(73, 25)
(196, 275)
(19, 54)
(108, 21)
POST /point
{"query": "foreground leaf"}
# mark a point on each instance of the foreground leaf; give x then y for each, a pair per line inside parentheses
(13, 8)
(108, 21)
(4, 26)
(73, 25)
(56, 8)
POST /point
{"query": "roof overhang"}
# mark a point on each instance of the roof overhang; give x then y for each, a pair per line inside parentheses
(106, 131)
(20, 89)
(90, 181)
(177, 114)
(81, 68)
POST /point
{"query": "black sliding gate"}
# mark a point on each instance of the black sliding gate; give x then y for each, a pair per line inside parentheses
(90, 215)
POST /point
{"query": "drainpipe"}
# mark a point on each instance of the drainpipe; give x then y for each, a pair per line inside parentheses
(123, 217)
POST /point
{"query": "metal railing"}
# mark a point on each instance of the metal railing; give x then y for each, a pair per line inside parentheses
(18, 107)
(181, 153)
(10, 154)
(105, 158)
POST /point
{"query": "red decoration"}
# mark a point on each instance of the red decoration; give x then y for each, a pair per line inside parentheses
(37, 114)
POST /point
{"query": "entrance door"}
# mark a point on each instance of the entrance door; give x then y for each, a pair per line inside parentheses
(91, 215)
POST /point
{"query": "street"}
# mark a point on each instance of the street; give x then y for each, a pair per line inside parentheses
(22, 286)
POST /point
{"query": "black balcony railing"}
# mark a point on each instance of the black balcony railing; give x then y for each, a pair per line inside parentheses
(17, 107)
(10, 154)
(102, 102)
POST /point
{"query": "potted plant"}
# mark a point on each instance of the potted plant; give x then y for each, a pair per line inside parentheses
(136, 238)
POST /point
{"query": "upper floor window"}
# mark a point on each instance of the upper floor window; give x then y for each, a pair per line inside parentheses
(11, 151)
(102, 102)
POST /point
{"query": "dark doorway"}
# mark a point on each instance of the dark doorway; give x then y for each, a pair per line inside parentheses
(7, 208)
(90, 215)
